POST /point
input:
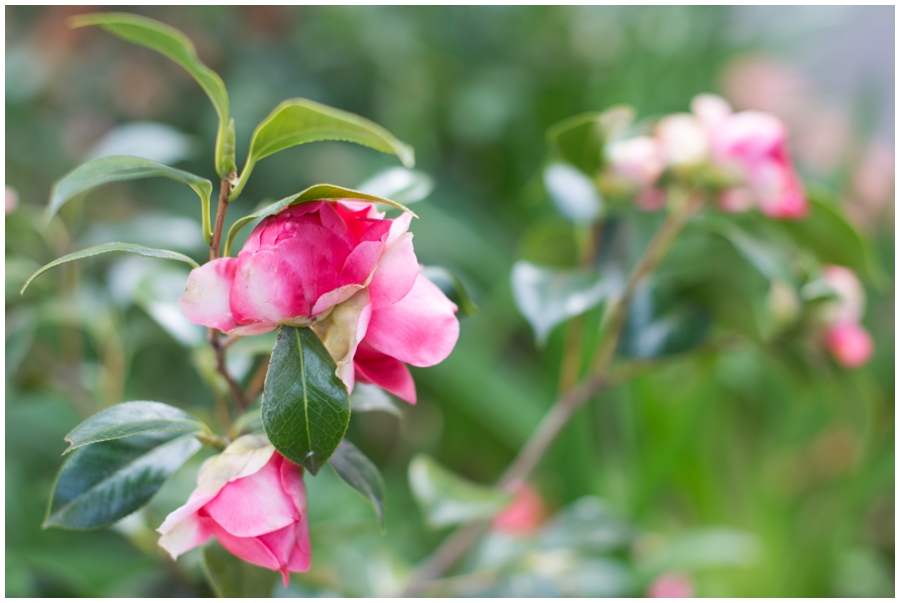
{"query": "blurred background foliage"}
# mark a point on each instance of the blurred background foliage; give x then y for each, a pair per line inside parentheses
(747, 473)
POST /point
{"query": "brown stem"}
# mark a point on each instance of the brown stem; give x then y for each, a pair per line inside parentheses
(566, 405)
(216, 244)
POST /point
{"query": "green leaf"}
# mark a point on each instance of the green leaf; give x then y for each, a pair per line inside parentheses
(305, 406)
(369, 398)
(230, 577)
(546, 296)
(147, 252)
(116, 168)
(580, 139)
(400, 184)
(447, 499)
(573, 193)
(361, 474)
(831, 237)
(452, 287)
(102, 483)
(297, 121)
(317, 192)
(661, 325)
(175, 45)
(132, 418)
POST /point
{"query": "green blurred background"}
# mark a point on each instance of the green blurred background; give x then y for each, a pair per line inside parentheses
(795, 467)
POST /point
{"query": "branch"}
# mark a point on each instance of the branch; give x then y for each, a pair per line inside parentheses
(566, 405)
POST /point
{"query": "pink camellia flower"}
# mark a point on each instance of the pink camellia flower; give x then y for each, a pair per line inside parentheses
(754, 145)
(346, 271)
(682, 140)
(849, 343)
(671, 586)
(253, 501)
(524, 514)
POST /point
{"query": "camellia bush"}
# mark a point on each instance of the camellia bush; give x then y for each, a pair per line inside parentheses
(692, 231)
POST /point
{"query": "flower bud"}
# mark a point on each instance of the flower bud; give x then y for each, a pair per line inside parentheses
(253, 501)
(849, 343)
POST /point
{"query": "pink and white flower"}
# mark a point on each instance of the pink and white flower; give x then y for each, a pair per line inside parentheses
(253, 501)
(849, 343)
(343, 269)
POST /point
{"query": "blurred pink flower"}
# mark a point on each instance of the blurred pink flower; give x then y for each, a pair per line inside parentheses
(524, 514)
(849, 343)
(637, 159)
(671, 586)
(346, 271)
(253, 501)
(12, 199)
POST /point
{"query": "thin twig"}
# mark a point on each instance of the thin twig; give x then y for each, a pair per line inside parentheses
(566, 405)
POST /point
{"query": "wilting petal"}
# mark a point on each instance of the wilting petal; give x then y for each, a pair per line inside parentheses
(253, 505)
(421, 329)
(206, 296)
(386, 372)
(342, 330)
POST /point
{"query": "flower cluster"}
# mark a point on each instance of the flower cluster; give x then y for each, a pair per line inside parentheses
(747, 151)
(344, 270)
(845, 338)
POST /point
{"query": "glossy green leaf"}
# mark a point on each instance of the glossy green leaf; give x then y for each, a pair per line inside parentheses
(116, 168)
(361, 474)
(400, 184)
(580, 139)
(658, 325)
(546, 296)
(112, 248)
(172, 43)
(452, 287)
(573, 193)
(371, 398)
(317, 192)
(447, 499)
(230, 577)
(132, 418)
(102, 483)
(305, 406)
(833, 239)
(297, 121)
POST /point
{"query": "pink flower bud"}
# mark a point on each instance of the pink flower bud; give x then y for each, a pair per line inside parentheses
(671, 586)
(682, 139)
(343, 269)
(755, 144)
(849, 343)
(253, 501)
(636, 159)
(524, 514)
(851, 302)
(12, 200)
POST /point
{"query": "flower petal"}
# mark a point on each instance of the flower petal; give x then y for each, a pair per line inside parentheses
(253, 505)
(420, 329)
(386, 372)
(252, 550)
(206, 296)
(396, 273)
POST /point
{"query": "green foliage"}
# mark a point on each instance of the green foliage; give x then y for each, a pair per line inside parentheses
(116, 168)
(400, 184)
(147, 252)
(547, 297)
(361, 474)
(305, 407)
(172, 43)
(297, 121)
(574, 194)
(132, 418)
(371, 398)
(447, 499)
(102, 483)
(231, 577)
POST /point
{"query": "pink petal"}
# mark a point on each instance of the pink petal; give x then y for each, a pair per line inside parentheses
(182, 530)
(292, 483)
(361, 262)
(253, 505)
(396, 273)
(252, 549)
(206, 295)
(850, 344)
(386, 372)
(194, 502)
(266, 289)
(421, 329)
(300, 556)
